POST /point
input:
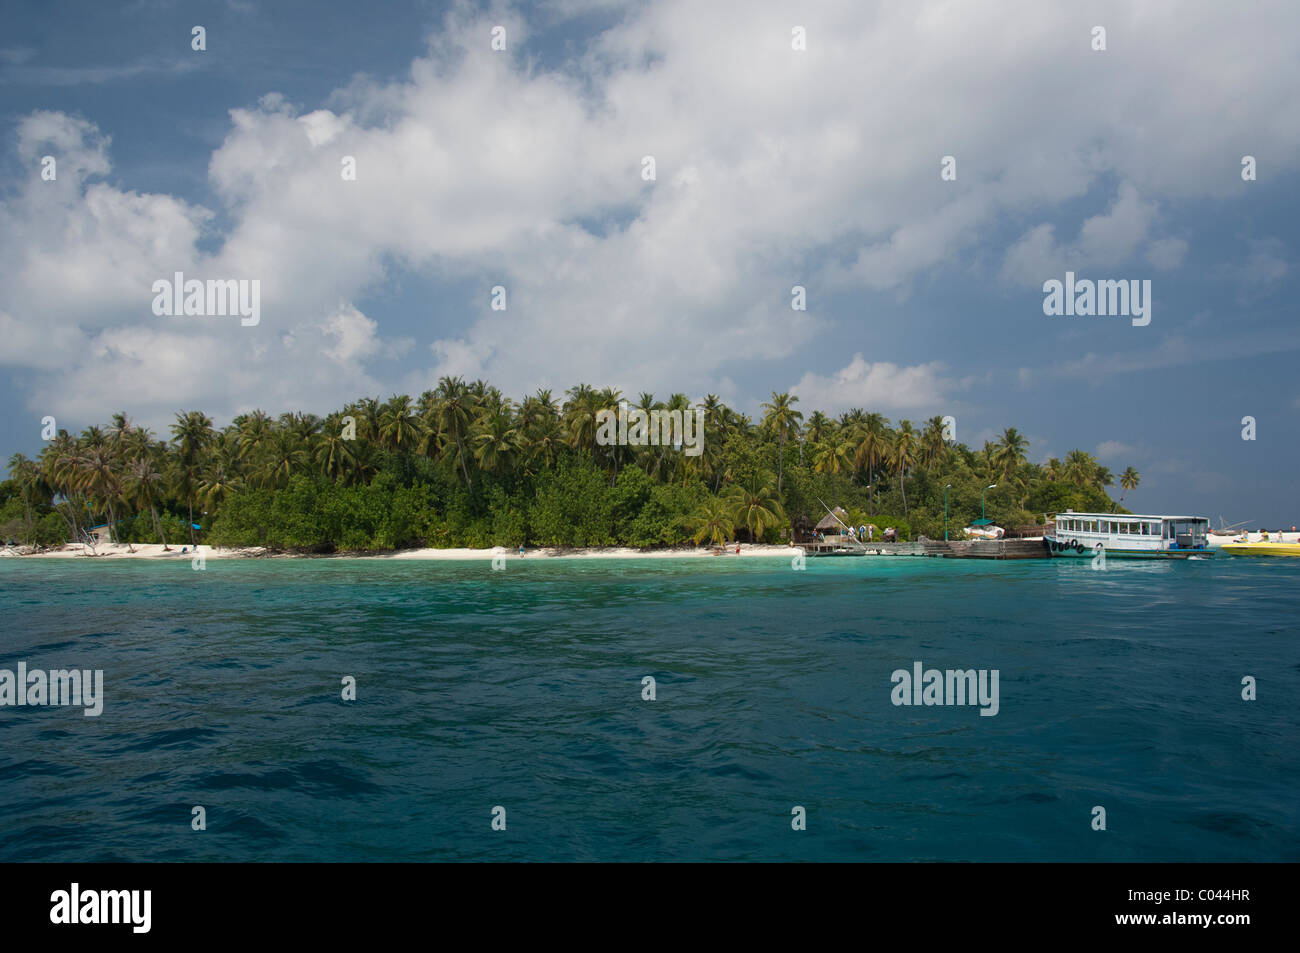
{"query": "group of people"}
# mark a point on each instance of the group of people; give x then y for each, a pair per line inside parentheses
(862, 534)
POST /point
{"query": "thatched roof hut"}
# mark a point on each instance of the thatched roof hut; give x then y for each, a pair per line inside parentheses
(829, 522)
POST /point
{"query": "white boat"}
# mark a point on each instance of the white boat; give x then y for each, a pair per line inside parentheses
(1125, 536)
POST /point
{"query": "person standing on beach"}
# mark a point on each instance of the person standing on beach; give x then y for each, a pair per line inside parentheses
(521, 550)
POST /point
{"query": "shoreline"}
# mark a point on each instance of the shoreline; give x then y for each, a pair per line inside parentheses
(154, 551)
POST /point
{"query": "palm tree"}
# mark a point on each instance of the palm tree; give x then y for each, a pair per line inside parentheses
(496, 442)
(755, 507)
(399, 425)
(712, 521)
(542, 434)
(1128, 480)
(932, 442)
(27, 475)
(284, 455)
(902, 455)
(146, 486)
(1080, 468)
(818, 426)
(331, 453)
(1010, 452)
(191, 434)
(682, 404)
(97, 471)
(782, 419)
(253, 429)
(218, 481)
(580, 417)
(833, 454)
(872, 449)
(57, 469)
(455, 414)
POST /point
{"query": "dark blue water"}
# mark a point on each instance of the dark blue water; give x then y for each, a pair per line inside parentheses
(523, 689)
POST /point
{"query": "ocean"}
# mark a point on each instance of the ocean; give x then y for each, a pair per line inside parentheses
(505, 715)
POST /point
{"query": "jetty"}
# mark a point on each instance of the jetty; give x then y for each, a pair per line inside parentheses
(833, 537)
(949, 549)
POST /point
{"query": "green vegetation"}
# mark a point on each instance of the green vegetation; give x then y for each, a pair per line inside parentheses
(465, 466)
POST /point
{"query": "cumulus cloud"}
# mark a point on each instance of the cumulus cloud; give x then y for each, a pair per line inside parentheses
(1105, 241)
(1114, 449)
(774, 168)
(862, 383)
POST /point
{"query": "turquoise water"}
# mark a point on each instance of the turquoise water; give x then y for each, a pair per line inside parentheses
(523, 689)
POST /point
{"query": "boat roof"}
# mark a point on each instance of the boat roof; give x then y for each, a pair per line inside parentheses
(1134, 516)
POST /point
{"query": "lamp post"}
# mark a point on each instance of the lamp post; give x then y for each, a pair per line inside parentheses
(985, 490)
(945, 511)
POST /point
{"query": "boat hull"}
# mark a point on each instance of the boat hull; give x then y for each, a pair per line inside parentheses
(1261, 549)
(1078, 549)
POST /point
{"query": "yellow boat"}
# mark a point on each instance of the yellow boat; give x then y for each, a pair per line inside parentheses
(1261, 549)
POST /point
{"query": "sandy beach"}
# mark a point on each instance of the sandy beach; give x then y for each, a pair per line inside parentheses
(155, 551)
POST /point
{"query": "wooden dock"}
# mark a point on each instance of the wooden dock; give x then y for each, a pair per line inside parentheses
(951, 549)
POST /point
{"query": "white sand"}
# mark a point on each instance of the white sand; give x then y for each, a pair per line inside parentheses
(116, 551)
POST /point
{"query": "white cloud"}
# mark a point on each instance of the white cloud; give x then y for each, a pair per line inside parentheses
(1105, 241)
(480, 168)
(1166, 254)
(883, 385)
(1114, 449)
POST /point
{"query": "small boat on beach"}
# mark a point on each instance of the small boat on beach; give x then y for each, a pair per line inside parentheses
(1129, 537)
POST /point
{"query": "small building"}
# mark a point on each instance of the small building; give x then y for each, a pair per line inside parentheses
(832, 525)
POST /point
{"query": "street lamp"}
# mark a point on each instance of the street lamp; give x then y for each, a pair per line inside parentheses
(985, 490)
(945, 511)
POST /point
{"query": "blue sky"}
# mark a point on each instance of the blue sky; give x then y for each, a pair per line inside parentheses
(775, 167)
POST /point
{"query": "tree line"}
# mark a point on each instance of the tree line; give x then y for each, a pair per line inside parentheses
(463, 465)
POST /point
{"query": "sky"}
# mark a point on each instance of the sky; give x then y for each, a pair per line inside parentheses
(793, 145)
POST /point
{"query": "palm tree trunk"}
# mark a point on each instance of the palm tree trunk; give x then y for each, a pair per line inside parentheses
(780, 462)
(461, 448)
(191, 511)
(157, 525)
